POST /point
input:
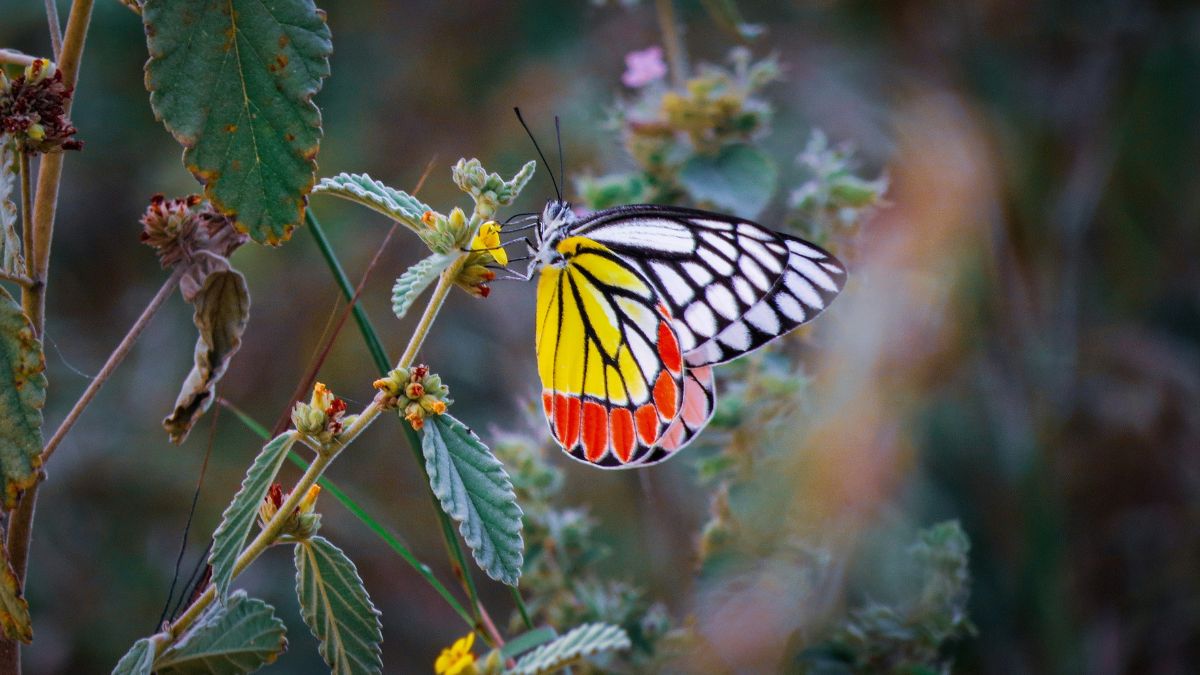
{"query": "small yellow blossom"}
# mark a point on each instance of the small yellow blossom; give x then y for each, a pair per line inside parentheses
(489, 239)
(308, 503)
(457, 659)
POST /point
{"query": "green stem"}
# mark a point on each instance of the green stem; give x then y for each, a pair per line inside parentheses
(365, 518)
(520, 602)
(375, 346)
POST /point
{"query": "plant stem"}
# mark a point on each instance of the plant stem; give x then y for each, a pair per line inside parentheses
(672, 41)
(114, 359)
(458, 560)
(16, 58)
(16, 278)
(445, 283)
(26, 214)
(55, 28)
(33, 297)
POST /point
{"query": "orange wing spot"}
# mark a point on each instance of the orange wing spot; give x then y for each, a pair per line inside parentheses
(647, 423)
(666, 396)
(662, 309)
(622, 434)
(595, 431)
(548, 405)
(566, 420)
(668, 348)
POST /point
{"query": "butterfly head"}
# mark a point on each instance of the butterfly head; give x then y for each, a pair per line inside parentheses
(557, 218)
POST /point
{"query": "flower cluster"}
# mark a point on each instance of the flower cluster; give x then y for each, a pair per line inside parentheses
(322, 417)
(416, 392)
(303, 522)
(33, 109)
(489, 190)
(485, 250)
(178, 229)
(832, 195)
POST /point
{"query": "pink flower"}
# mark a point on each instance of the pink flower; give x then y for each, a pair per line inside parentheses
(643, 67)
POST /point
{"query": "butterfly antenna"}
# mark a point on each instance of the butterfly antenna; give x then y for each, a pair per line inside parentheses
(557, 192)
(558, 137)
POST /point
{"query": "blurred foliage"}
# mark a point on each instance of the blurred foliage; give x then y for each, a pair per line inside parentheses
(1055, 415)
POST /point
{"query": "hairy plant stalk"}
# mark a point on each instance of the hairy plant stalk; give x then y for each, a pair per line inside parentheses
(16, 278)
(55, 28)
(16, 58)
(114, 359)
(672, 41)
(26, 214)
(33, 297)
(269, 534)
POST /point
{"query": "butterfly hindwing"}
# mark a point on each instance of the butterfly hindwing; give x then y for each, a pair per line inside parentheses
(699, 403)
(732, 284)
(608, 356)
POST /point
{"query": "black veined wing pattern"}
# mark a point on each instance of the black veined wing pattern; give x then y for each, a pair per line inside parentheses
(717, 286)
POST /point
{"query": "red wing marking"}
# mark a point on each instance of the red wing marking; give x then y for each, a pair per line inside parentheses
(595, 431)
(647, 424)
(566, 419)
(548, 405)
(699, 401)
(666, 397)
(623, 440)
(668, 348)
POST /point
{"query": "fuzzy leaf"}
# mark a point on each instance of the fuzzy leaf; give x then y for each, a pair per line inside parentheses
(242, 511)
(14, 610)
(337, 609)
(740, 179)
(362, 189)
(239, 637)
(10, 238)
(233, 81)
(473, 489)
(22, 394)
(139, 660)
(415, 280)
(585, 640)
(222, 309)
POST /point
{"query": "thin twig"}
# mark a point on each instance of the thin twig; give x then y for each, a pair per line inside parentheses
(114, 359)
(16, 278)
(16, 58)
(672, 41)
(55, 28)
(26, 214)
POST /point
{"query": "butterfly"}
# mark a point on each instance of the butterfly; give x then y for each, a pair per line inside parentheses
(637, 303)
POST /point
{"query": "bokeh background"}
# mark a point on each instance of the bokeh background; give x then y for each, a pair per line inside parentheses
(1020, 349)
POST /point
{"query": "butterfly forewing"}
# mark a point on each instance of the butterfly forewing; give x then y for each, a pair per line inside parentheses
(731, 284)
(608, 356)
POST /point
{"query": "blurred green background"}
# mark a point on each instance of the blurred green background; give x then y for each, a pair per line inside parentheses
(1022, 351)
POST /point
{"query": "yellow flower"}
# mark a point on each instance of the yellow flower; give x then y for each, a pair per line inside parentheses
(489, 239)
(322, 398)
(308, 503)
(457, 659)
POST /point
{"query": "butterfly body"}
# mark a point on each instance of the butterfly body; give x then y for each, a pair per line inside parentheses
(637, 303)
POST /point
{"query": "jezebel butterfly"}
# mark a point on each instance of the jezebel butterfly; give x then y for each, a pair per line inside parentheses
(636, 304)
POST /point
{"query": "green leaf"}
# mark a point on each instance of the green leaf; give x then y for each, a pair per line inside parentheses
(222, 308)
(740, 179)
(472, 487)
(239, 637)
(139, 660)
(22, 394)
(233, 81)
(362, 189)
(526, 641)
(585, 640)
(240, 514)
(10, 237)
(415, 280)
(14, 610)
(336, 608)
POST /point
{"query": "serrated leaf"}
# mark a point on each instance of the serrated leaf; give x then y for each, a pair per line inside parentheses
(526, 641)
(233, 81)
(362, 189)
(239, 516)
(472, 487)
(139, 660)
(335, 606)
(22, 395)
(739, 179)
(14, 610)
(585, 640)
(415, 280)
(10, 237)
(239, 637)
(222, 308)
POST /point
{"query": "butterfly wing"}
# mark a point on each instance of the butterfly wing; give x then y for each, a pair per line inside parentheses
(733, 285)
(699, 403)
(608, 356)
